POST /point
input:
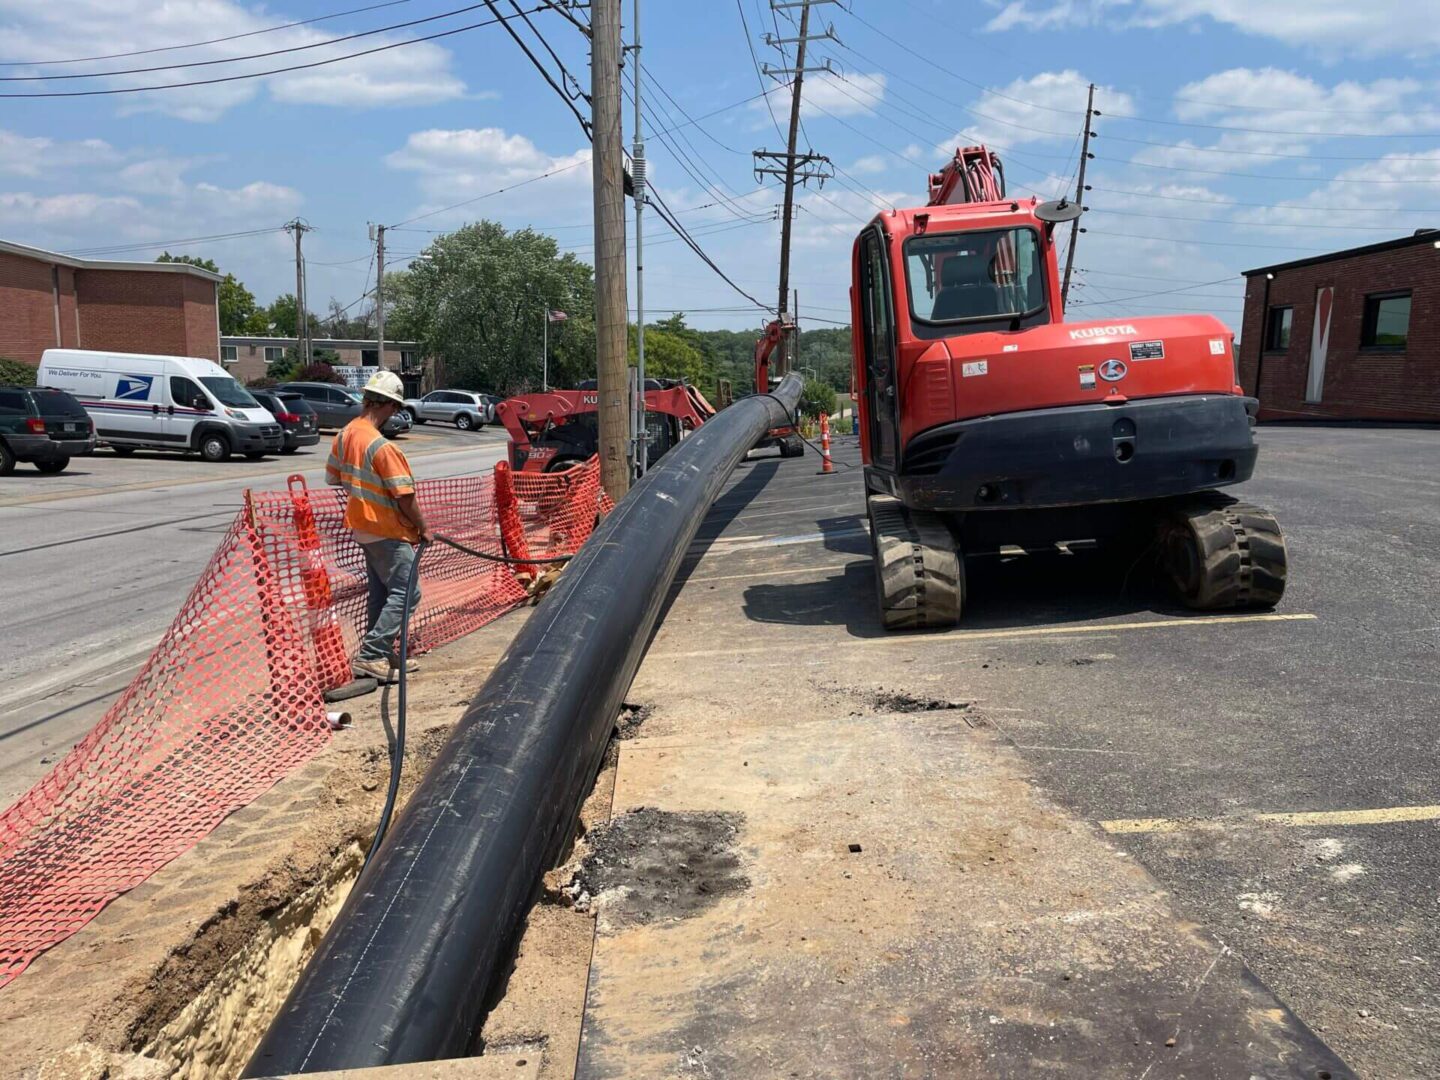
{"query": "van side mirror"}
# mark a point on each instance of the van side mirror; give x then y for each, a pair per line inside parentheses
(201, 403)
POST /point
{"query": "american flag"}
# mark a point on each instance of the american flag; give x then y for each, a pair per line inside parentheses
(556, 316)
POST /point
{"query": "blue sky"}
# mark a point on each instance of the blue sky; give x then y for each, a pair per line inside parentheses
(1330, 106)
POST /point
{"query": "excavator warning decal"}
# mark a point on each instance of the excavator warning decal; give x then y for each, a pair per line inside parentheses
(978, 367)
(1087, 376)
(1147, 350)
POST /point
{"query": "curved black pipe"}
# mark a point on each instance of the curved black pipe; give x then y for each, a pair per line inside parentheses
(403, 974)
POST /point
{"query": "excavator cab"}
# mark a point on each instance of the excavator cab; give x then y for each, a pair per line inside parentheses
(987, 422)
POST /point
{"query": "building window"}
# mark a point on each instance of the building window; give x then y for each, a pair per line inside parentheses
(274, 354)
(1387, 320)
(370, 357)
(229, 354)
(1277, 330)
(407, 360)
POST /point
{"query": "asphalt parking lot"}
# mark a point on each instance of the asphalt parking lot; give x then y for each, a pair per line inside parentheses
(98, 560)
(1277, 772)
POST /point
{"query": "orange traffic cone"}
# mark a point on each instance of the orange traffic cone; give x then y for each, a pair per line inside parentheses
(826, 465)
(331, 661)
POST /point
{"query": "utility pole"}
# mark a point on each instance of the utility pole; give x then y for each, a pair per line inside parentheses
(1085, 156)
(608, 171)
(637, 176)
(380, 292)
(795, 165)
(302, 324)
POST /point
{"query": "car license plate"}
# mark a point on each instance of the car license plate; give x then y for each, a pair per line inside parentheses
(72, 427)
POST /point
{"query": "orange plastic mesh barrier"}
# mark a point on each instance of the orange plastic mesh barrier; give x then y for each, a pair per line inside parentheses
(231, 700)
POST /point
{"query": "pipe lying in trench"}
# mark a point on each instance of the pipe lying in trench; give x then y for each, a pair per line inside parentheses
(404, 973)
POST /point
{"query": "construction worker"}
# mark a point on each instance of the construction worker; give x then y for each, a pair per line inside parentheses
(384, 517)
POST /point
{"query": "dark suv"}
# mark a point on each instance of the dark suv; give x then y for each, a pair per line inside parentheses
(47, 427)
(298, 421)
(336, 406)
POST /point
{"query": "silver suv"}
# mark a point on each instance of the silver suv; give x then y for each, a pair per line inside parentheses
(467, 410)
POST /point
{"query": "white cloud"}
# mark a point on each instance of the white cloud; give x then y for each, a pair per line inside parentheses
(43, 30)
(63, 215)
(825, 95)
(1287, 114)
(458, 164)
(23, 155)
(1048, 106)
(1373, 194)
(1332, 26)
(870, 165)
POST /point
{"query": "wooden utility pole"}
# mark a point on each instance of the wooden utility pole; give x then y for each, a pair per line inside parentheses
(1079, 197)
(302, 323)
(787, 343)
(793, 165)
(608, 170)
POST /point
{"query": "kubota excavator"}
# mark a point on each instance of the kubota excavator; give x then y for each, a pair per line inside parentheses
(987, 421)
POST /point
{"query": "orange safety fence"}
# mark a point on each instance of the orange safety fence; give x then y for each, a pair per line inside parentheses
(230, 701)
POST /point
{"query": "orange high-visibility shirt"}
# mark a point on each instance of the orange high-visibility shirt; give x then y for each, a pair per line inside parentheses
(374, 473)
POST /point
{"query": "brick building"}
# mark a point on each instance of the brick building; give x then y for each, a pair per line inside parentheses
(1350, 335)
(247, 358)
(48, 300)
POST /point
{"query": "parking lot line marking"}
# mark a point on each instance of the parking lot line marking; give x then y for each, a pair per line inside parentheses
(1384, 815)
(952, 637)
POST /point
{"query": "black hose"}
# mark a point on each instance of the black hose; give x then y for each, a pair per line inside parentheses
(795, 423)
(397, 748)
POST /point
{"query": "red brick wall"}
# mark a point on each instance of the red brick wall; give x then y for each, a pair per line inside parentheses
(202, 331)
(27, 308)
(134, 311)
(1358, 384)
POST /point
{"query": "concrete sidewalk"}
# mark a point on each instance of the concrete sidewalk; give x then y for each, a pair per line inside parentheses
(822, 863)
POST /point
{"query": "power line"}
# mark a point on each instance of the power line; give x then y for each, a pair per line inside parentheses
(238, 59)
(755, 60)
(258, 74)
(1151, 277)
(118, 249)
(664, 213)
(1263, 176)
(1205, 243)
(1272, 206)
(209, 41)
(491, 194)
(1244, 224)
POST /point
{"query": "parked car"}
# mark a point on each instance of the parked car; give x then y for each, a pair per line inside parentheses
(335, 406)
(297, 420)
(42, 426)
(162, 403)
(465, 409)
(491, 400)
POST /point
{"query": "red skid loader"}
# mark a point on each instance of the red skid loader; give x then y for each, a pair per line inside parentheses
(557, 429)
(987, 421)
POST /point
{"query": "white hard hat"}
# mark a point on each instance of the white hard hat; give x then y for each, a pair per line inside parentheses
(387, 384)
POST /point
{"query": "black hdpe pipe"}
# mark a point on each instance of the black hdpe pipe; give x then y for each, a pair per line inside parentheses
(404, 973)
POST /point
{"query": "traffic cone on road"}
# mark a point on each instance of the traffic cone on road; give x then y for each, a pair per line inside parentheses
(826, 465)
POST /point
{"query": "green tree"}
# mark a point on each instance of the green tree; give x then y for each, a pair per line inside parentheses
(477, 302)
(237, 303)
(816, 397)
(669, 355)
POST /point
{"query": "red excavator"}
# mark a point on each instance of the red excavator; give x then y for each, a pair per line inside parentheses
(988, 423)
(785, 436)
(558, 429)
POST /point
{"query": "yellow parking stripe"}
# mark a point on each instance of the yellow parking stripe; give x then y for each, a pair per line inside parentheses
(1384, 815)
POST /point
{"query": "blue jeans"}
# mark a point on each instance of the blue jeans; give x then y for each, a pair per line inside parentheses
(388, 565)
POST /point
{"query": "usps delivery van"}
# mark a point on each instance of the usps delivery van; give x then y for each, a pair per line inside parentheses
(163, 403)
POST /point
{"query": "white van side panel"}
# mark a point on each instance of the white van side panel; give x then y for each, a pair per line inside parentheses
(125, 395)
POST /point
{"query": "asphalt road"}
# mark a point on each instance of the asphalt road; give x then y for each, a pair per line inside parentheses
(1129, 708)
(97, 561)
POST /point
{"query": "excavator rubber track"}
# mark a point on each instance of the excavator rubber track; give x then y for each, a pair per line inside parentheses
(1222, 554)
(919, 570)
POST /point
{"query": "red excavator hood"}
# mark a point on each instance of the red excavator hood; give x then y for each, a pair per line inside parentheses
(959, 378)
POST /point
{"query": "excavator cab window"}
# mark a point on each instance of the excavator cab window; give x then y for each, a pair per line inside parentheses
(977, 279)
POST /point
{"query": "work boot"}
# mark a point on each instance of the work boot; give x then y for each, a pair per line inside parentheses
(377, 668)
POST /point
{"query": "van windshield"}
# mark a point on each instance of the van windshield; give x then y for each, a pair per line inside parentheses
(229, 392)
